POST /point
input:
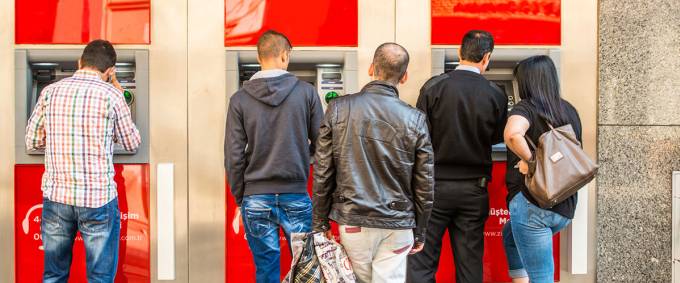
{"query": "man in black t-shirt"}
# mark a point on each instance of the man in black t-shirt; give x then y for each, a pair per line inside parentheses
(466, 116)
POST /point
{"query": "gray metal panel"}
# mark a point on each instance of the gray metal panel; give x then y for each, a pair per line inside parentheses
(232, 58)
(299, 56)
(347, 58)
(72, 54)
(23, 81)
(350, 72)
(555, 55)
(142, 97)
(438, 61)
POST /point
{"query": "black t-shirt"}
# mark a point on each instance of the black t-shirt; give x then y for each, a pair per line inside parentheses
(513, 178)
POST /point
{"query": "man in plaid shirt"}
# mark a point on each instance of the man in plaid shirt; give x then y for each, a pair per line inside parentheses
(76, 121)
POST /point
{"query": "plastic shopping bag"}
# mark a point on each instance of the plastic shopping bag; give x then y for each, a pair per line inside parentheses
(333, 259)
(317, 259)
(305, 267)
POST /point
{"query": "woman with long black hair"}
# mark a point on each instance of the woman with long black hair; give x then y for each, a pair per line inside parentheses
(527, 237)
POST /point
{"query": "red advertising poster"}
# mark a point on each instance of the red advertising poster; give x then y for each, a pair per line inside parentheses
(133, 198)
(512, 22)
(304, 22)
(80, 21)
(240, 267)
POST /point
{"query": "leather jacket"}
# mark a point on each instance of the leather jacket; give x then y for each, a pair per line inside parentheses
(374, 163)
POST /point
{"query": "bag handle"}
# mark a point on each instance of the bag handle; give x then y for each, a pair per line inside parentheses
(530, 142)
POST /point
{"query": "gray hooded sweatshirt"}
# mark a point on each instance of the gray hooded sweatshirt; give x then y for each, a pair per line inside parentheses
(272, 126)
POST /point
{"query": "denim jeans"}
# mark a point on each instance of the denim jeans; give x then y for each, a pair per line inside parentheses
(527, 238)
(262, 217)
(100, 229)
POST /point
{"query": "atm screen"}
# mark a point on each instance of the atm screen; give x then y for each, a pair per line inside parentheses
(331, 76)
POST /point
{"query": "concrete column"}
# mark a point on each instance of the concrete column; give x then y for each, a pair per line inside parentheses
(639, 137)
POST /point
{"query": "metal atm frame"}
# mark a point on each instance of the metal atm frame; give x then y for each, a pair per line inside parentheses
(23, 81)
(348, 60)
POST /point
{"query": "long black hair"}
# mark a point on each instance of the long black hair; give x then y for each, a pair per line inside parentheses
(538, 84)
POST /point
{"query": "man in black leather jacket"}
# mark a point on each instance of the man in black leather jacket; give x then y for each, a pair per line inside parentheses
(374, 172)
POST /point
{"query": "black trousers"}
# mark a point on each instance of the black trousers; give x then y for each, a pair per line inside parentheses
(462, 206)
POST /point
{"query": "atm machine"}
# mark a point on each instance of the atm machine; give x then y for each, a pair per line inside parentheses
(333, 73)
(326, 70)
(499, 72)
(34, 70)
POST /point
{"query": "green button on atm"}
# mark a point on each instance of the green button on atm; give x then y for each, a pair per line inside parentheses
(330, 96)
(129, 97)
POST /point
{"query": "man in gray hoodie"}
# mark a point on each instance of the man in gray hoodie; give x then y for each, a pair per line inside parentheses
(272, 126)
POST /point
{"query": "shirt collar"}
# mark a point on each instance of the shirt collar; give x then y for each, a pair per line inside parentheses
(268, 74)
(468, 68)
(87, 74)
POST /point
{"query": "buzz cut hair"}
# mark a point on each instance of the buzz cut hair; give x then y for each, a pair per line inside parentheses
(390, 62)
(271, 43)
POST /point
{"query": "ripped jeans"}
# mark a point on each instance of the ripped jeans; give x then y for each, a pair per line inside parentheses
(262, 217)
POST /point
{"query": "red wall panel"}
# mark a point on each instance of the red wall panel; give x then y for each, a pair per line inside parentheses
(512, 22)
(80, 21)
(133, 200)
(240, 267)
(304, 22)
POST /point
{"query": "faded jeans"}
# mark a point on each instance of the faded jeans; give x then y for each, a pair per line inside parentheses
(527, 238)
(377, 255)
(262, 216)
(100, 229)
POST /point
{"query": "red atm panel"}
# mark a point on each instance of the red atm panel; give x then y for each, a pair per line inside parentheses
(512, 22)
(304, 22)
(80, 21)
(240, 267)
(495, 263)
(133, 196)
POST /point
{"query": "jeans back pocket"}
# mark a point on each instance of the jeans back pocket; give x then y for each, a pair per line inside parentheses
(299, 214)
(96, 220)
(257, 221)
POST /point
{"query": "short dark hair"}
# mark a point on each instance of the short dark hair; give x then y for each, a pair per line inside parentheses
(475, 44)
(271, 43)
(99, 54)
(390, 61)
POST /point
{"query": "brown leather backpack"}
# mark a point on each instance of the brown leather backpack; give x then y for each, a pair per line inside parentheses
(561, 166)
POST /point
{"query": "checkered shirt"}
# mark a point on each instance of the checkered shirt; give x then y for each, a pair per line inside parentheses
(76, 121)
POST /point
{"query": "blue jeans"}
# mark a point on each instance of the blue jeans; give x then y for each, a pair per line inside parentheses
(100, 229)
(262, 216)
(527, 238)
